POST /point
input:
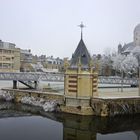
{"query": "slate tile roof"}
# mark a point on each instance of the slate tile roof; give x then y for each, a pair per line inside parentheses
(81, 53)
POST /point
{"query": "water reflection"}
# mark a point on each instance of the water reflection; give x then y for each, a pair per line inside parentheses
(95, 128)
(25, 122)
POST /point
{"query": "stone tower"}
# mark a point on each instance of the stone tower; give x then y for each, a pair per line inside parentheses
(119, 48)
(137, 35)
(81, 81)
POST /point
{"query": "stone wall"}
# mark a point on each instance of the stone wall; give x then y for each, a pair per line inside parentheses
(112, 107)
(95, 106)
(18, 94)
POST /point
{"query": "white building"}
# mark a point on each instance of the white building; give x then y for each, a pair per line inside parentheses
(128, 48)
(25, 56)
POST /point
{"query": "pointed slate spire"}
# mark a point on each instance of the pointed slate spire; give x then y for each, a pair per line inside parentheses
(81, 53)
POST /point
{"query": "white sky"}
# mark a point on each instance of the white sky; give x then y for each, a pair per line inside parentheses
(49, 27)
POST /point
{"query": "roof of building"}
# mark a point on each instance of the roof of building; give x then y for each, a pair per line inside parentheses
(127, 48)
(25, 51)
(81, 54)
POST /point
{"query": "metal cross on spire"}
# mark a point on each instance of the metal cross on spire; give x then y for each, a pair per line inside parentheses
(81, 26)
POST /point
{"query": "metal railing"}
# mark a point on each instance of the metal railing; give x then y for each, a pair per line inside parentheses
(36, 76)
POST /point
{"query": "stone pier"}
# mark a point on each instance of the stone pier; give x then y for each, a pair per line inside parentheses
(18, 94)
(99, 106)
(115, 106)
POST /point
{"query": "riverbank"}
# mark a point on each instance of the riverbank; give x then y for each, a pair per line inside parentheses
(109, 105)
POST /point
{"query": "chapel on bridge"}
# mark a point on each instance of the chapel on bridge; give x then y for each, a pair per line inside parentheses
(81, 80)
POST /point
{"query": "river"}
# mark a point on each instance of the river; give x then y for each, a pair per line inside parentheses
(24, 122)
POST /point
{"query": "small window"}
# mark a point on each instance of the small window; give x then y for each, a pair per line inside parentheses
(83, 55)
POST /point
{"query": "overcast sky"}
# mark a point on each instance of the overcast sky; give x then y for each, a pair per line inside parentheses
(49, 27)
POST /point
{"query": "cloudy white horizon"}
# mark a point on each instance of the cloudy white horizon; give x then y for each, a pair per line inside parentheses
(49, 27)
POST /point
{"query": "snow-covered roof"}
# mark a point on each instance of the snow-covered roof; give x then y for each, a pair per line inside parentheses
(127, 48)
(25, 51)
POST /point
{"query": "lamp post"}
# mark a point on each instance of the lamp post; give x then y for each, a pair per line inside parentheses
(121, 80)
(138, 57)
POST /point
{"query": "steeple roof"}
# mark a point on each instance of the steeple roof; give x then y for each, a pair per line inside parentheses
(81, 55)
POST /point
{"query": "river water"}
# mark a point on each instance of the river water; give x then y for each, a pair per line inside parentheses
(24, 122)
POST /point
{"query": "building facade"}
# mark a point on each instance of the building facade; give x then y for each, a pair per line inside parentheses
(26, 60)
(54, 63)
(48, 64)
(9, 57)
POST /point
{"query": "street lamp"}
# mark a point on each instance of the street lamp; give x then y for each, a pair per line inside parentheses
(138, 57)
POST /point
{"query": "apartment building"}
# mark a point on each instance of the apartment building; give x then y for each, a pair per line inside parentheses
(9, 57)
(54, 63)
(26, 59)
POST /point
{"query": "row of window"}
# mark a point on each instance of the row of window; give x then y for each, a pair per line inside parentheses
(53, 67)
(6, 51)
(54, 62)
(6, 58)
(6, 65)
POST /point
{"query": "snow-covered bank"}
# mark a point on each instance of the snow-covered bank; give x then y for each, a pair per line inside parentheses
(6, 96)
(47, 106)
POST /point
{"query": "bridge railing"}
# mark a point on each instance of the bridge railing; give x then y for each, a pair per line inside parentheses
(20, 76)
(118, 80)
(58, 77)
(52, 77)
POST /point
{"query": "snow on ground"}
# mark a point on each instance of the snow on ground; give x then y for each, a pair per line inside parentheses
(115, 97)
(47, 106)
(6, 96)
(112, 85)
(117, 93)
